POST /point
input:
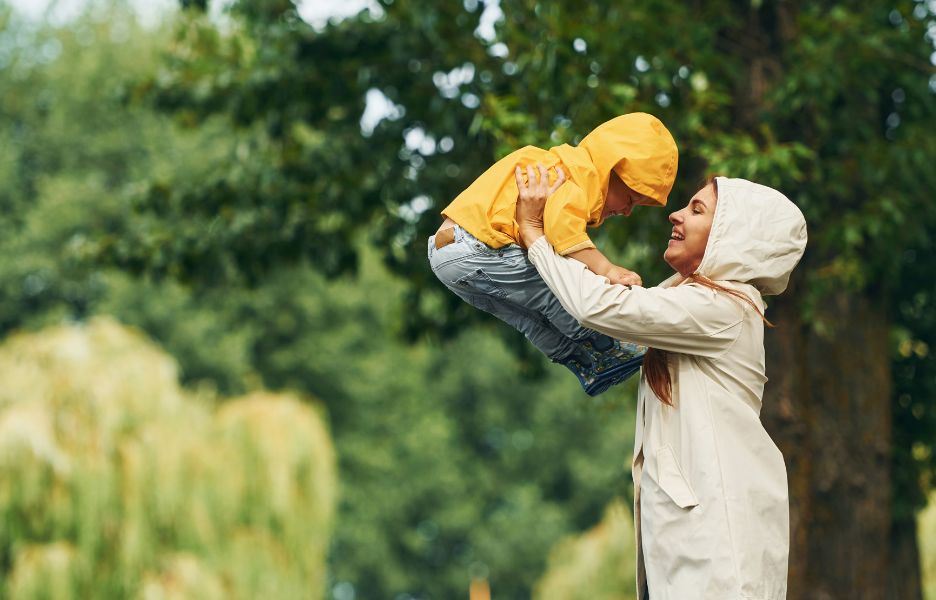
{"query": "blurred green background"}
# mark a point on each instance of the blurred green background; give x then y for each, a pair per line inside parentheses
(227, 372)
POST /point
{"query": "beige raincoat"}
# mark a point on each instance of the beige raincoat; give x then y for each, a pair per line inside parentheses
(710, 487)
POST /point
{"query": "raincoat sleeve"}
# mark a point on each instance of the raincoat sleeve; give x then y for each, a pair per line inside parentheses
(689, 319)
(565, 218)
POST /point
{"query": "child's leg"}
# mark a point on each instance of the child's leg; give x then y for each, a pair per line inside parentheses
(469, 269)
(504, 283)
(506, 274)
(607, 361)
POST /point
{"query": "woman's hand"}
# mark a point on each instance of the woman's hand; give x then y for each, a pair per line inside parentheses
(532, 201)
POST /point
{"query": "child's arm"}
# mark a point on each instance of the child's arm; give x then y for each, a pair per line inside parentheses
(564, 222)
(596, 262)
(599, 264)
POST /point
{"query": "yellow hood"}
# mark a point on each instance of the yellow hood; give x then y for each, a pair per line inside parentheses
(636, 146)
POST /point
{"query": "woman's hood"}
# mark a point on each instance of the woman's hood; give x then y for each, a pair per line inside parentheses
(758, 236)
(636, 146)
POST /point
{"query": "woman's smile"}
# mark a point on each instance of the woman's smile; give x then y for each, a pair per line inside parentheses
(690, 232)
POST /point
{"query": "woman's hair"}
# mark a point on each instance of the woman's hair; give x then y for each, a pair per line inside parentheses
(656, 361)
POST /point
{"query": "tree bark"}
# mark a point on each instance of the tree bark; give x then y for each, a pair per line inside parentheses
(905, 578)
(827, 406)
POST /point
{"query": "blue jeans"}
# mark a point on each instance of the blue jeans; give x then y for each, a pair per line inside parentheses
(502, 282)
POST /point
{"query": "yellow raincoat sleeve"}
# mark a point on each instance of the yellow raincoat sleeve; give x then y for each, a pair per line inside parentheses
(689, 319)
(565, 219)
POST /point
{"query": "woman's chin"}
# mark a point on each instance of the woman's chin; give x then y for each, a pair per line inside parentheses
(672, 258)
(668, 257)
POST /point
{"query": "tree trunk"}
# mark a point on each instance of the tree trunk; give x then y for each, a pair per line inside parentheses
(827, 406)
(905, 579)
(828, 403)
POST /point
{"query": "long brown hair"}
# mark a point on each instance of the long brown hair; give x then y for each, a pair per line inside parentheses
(656, 361)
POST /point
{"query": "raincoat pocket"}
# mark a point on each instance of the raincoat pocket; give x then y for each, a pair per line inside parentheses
(672, 481)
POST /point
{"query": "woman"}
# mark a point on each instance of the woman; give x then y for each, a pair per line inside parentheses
(710, 490)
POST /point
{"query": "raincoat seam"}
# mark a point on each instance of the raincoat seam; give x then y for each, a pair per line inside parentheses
(740, 322)
(586, 323)
(721, 354)
(721, 473)
(726, 328)
(744, 309)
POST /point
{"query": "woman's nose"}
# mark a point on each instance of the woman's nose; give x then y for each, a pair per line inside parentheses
(674, 218)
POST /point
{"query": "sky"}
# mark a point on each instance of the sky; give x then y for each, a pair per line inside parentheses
(316, 12)
(61, 11)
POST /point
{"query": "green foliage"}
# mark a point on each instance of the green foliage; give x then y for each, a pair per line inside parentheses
(596, 565)
(914, 336)
(116, 483)
(75, 155)
(444, 473)
(259, 173)
(834, 105)
(831, 105)
(447, 473)
(926, 532)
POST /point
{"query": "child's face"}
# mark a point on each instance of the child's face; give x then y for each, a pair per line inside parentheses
(621, 200)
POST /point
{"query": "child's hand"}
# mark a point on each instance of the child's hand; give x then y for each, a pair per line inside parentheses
(622, 276)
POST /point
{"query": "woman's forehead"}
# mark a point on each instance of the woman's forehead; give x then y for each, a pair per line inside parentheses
(706, 196)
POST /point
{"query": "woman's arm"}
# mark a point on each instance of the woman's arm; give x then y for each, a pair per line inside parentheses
(689, 318)
(531, 222)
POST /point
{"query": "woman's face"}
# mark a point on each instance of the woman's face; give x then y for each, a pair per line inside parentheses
(691, 227)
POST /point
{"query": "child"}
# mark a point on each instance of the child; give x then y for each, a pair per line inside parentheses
(627, 161)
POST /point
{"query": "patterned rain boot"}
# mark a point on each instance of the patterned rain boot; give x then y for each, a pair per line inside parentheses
(613, 362)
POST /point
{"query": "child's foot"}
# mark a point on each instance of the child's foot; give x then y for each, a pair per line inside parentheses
(597, 370)
(626, 351)
(582, 366)
(613, 376)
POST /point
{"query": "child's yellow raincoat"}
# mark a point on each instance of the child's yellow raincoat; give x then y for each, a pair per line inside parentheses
(636, 146)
